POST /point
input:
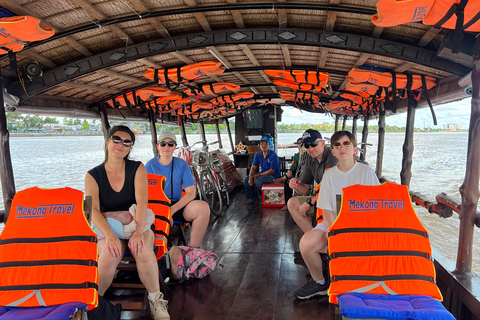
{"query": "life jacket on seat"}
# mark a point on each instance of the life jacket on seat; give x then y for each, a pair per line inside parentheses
(438, 13)
(16, 32)
(319, 213)
(48, 251)
(160, 205)
(378, 245)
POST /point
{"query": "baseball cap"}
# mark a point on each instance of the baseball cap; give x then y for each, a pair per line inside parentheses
(310, 136)
(264, 138)
(167, 134)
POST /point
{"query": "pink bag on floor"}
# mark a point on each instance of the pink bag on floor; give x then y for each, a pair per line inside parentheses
(187, 262)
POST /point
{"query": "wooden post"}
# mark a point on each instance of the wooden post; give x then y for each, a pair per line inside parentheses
(153, 131)
(344, 124)
(336, 122)
(183, 132)
(354, 126)
(230, 135)
(406, 173)
(363, 155)
(381, 140)
(469, 189)
(201, 128)
(104, 120)
(6, 171)
(219, 138)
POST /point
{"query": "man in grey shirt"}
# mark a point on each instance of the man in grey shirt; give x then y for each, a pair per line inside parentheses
(320, 158)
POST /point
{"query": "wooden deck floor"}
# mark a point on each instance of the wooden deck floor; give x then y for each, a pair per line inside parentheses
(256, 247)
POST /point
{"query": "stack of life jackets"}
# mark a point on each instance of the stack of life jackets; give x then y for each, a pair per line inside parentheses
(183, 74)
(16, 32)
(378, 245)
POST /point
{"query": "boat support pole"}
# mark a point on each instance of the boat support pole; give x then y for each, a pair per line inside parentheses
(363, 155)
(406, 173)
(344, 124)
(354, 126)
(6, 171)
(381, 141)
(219, 138)
(230, 135)
(104, 120)
(153, 131)
(201, 129)
(183, 133)
(469, 189)
(336, 122)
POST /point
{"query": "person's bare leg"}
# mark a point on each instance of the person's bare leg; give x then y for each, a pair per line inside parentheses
(302, 221)
(311, 244)
(198, 212)
(147, 264)
(107, 265)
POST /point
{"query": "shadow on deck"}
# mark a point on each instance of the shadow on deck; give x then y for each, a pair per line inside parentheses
(256, 248)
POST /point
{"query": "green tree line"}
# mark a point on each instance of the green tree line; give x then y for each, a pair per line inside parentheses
(21, 122)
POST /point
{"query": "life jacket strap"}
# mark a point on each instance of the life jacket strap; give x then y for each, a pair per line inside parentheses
(28, 296)
(375, 285)
(380, 253)
(88, 263)
(49, 240)
(161, 233)
(165, 203)
(378, 230)
(45, 286)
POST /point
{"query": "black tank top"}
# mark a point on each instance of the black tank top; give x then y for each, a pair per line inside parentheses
(110, 200)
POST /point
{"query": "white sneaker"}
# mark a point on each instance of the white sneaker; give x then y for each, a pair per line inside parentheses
(158, 307)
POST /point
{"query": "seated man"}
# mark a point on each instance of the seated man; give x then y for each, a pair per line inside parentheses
(290, 173)
(320, 158)
(178, 175)
(269, 170)
(348, 172)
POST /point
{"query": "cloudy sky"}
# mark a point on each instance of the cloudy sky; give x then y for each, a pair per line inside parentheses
(451, 113)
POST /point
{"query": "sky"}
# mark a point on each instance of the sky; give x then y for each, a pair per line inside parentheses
(450, 113)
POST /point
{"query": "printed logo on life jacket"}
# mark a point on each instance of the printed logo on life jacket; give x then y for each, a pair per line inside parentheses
(40, 211)
(419, 14)
(152, 182)
(374, 205)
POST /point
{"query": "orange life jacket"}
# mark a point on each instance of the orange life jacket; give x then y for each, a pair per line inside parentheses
(300, 86)
(378, 245)
(438, 13)
(185, 73)
(319, 213)
(203, 105)
(16, 32)
(48, 251)
(160, 205)
(365, 89)
(232, 99)
(213, 88)
(312, 77)
(144, 94)
(384, 79)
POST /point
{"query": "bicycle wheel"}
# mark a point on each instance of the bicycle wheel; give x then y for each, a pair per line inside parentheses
(198, 185)
(212, 192)
(222, 182)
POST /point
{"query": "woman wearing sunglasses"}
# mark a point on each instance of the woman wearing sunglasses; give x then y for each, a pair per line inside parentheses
(346, 173)
(116, 185)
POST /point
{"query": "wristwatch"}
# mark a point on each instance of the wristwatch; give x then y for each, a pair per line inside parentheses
(309, 202)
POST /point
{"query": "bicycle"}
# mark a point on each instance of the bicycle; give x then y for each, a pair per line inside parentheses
(219, 174)
(185, 153)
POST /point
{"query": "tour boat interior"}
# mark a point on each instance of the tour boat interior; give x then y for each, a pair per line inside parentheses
(211, 61)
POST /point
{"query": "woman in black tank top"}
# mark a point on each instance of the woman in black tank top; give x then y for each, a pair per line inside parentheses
(115, 185)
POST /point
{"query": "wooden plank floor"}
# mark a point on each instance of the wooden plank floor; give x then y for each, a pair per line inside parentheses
(256, 247)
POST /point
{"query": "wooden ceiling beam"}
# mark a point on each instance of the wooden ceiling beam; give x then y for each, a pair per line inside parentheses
(202, 20)
(236, 15)
(32, 55)
(180, 56)
(78, 85)
(331, 17)
(377, 32)
(142, 8)
(114, 74)
(77, 46)
(322, 59)
(286, 55)
(282, 16)
(149, 63)
(404, 67)
(428, 36)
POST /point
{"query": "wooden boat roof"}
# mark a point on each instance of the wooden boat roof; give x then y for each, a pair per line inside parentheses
(102, 47)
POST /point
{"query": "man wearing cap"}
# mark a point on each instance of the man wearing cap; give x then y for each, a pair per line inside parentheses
(184, 208)
(321, 158)
(269, 170)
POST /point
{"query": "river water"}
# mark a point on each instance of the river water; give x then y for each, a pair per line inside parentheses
(439, 161)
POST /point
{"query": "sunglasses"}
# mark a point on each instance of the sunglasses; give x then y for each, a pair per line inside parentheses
(338, 145)
(117, 140)
(308, 145)
(169, 143)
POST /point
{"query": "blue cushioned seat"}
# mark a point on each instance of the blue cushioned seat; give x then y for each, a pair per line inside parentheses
(399, 307)
(60, 312)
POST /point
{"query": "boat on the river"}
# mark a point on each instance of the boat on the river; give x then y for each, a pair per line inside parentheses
(330, 59)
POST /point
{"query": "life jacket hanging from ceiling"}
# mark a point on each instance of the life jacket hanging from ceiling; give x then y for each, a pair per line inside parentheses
(16, 32)
(302, 86)
(316, 78)
(143, 94)
(378, 245)
(160, 205)
(48, 251)
(212, 88)
(185, 73)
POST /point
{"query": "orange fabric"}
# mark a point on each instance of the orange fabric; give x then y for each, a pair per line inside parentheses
(203, 105)
(188, 72)
(395, 12)
(16, 31)
(143, 94)
(313, 77)
(384, 79)
(378, 209)
(319, 213)
(57, 215)
(299, 86)
(218, 87)
(161, 209)
(364, 89)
